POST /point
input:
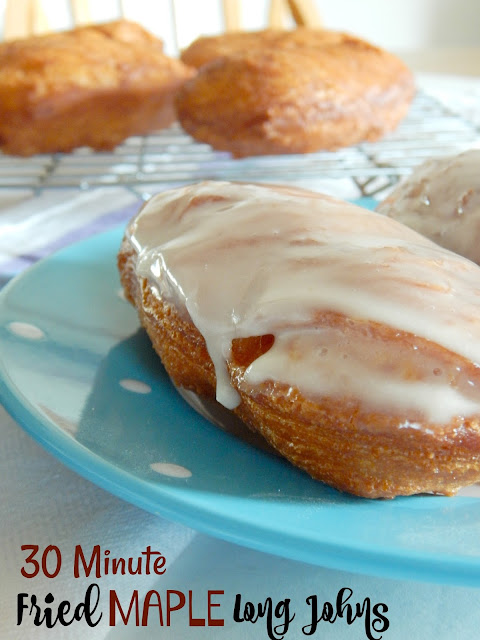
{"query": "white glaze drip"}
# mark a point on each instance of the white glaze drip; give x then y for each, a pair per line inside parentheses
(348, 371)
(246, 260)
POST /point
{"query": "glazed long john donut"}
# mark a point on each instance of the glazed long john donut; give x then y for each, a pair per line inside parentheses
(349, 341)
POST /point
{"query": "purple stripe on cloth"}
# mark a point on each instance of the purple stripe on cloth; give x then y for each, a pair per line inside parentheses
(16, 265)
(103, 223)
(107, 221)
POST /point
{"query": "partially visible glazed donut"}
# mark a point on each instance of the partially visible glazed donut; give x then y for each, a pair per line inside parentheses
(348, 341)
(441, 200)
(276, 92)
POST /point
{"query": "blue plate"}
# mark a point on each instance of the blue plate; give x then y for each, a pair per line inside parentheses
(81, 377)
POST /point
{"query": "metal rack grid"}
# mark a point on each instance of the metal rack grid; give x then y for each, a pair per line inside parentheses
(171, 156)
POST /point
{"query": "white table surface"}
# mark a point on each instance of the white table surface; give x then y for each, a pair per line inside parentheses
(44, 503)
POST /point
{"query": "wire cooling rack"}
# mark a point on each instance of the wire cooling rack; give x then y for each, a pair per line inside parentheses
(171, 156)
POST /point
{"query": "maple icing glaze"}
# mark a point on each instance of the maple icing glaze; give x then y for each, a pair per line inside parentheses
(248, 260)
(441, 200)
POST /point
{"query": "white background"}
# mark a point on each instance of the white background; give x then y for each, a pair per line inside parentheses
(400, 25)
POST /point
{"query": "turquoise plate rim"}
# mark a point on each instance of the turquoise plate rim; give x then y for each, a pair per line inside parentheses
(240, 519)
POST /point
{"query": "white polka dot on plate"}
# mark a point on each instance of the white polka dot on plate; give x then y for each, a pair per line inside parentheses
(135, 386)
(26, 330)
(172, 470)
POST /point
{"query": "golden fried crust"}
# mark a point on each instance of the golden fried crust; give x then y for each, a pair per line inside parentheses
(291, 92)
(335, 440)
(208, 48)
(92, 86)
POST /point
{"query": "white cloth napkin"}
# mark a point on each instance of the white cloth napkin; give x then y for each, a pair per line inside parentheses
(45, 503)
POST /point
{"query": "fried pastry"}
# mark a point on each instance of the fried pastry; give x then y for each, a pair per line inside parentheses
(92, 86)
(275, 92)
(441, 200)
(208, 48)
(347, 340)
